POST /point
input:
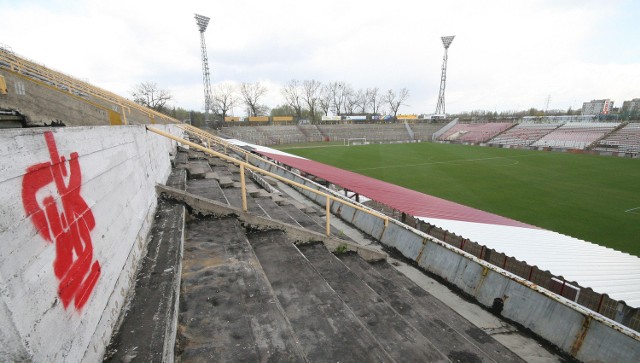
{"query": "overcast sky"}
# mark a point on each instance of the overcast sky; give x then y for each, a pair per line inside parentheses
(507, 55)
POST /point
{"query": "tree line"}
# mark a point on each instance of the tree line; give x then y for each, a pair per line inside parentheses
(307, 99)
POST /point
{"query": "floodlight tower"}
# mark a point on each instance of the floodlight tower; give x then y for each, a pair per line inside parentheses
(446, 41)
(202, 22)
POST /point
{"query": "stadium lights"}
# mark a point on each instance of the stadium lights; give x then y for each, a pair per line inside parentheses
(440, 108)
(202, 21)
(446, 41)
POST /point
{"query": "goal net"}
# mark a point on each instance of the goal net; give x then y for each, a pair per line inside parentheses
(355, 141)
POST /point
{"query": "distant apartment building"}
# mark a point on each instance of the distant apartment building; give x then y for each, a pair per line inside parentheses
(631, 107)
(597, 107)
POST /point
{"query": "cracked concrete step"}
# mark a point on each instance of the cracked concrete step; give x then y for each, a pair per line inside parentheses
(207, 188)
(212, 175)
(226, 182)
(181, 159)
(304, 219)
(228, 311)
(148, 329)
(197, 169)
(271, 181)
(328, 331)
(177, 179)
(279, 200)
(273, 211)
(396, 335)
(455, 336)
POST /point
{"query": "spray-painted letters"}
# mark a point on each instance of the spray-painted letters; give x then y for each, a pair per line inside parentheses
(45, 187)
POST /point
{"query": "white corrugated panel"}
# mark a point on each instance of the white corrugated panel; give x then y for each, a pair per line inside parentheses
(605, 270)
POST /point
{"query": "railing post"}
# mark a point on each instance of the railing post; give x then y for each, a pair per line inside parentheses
(328, 215)
(243, 188)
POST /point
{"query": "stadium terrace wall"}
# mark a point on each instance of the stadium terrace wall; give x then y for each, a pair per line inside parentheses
(615, 310)
(42, 102)
(546, 148)
(77, 205)
(583, 334)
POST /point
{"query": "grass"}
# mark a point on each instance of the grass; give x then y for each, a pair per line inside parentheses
(585, 196)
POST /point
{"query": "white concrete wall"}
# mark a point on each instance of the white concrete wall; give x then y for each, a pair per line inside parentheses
(119, 167)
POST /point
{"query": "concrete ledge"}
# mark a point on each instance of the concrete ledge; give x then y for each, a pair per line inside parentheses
(208, 207)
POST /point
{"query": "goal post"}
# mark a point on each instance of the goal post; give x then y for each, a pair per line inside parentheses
(355, 141)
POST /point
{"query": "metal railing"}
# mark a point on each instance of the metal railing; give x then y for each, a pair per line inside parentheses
(246, 165)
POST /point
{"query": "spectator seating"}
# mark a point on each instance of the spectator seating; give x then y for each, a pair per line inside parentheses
(524, 134)
(475, 132)
(373, 132)
(625, 140)
(576, 135)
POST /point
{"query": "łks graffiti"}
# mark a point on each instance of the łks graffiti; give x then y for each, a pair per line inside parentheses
(52, 200)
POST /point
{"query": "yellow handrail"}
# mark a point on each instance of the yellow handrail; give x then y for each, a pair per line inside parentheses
(245, 165)
(220, 141)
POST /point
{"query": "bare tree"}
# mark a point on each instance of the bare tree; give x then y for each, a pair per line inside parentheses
(293, 94)
(225, 98)
(311, 96)
(149, 95)
(361, 101)
(251, 94)
(325, 99)
(395, 101)
(374, 99)
(350, 99)
(336, 90)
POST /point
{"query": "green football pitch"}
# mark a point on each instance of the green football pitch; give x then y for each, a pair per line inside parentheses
(594, 198)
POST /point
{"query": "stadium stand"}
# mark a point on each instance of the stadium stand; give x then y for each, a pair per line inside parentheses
(524, 134)
(33, 83)
(475, 132)
(424, 131)
(625, 140)
(373, 132)
(290, 134)
(576, 135)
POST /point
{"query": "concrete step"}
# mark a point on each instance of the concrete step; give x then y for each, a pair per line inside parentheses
(304, 219)
(279, 199)
(328, 331)
(226, 182)
(270, 180)
(208, 188)
(198, 169)
(273, 211)
(453, 335)
(177, 179)
(228, 311)
(181, 159)
(149, 327)
(394, 333)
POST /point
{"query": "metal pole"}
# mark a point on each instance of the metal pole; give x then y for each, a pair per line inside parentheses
(328, 215)
(243, 188)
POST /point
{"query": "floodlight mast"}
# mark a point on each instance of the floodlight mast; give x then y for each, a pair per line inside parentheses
(440, 108)
(202, 22)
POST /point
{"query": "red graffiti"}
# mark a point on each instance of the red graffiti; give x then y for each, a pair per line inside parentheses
(69, 229)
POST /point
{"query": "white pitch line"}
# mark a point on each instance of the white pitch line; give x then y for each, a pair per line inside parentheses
(630, 210)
